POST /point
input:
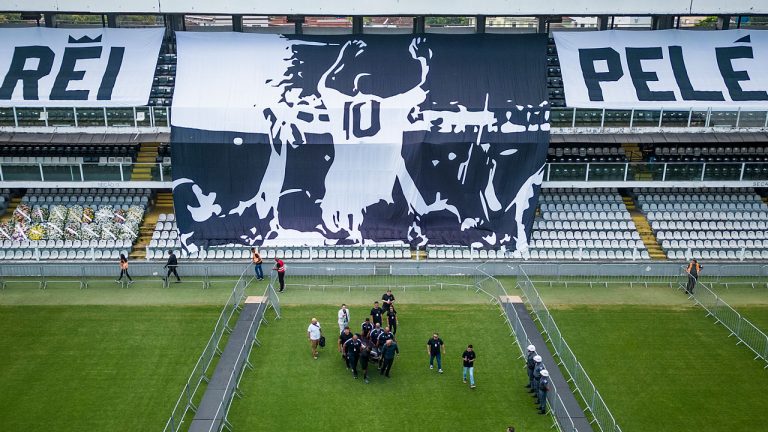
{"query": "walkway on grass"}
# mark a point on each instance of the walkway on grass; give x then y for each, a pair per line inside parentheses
(514, 306)
(220, 391)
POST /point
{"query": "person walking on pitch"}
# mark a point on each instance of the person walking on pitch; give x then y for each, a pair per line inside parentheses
(280, 267)
(434, 347)
(392, 319)
(352, 349)
(388, 353)
(171, 266)
(469, 365)
(124, 269)
(376, 313)
(343, 318)
(693, 270)
(366, 328)
(314, 333)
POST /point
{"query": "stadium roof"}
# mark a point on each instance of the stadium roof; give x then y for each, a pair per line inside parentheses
(397, 7)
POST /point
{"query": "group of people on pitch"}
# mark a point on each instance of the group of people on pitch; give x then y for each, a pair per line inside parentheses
(377, 344)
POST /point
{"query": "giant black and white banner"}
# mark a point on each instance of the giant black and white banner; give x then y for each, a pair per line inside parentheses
(669, 69)
(100, 67)
(358, 139)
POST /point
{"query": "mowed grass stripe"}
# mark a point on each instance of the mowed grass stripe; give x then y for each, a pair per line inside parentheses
(289, 391)
(87, 368)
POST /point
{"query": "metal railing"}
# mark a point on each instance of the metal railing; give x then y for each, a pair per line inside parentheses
(188, 396)
(85, 274)
(81, 171)
(491, 286)
(616, 172)
(232, 388)
(668, 172)
(735, 118)
(573, 118)
(601, 415)
(128, 117)
(746, 332)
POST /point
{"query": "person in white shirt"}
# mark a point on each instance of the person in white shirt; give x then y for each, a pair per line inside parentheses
(314, 333)
(343, 318)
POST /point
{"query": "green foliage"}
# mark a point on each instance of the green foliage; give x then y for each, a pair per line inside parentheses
(446, 21)
(709, 21)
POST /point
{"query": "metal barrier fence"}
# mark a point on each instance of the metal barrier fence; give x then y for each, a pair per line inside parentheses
(86, 274)
(601, 415)
(186, 400)
(492, 287)
(233, 382)
(746, 332)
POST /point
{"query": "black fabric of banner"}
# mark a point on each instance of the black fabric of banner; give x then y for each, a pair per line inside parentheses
(462, 166)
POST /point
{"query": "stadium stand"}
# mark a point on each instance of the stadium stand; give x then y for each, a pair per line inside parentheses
(704, 223)
(161, 94)
(5, 199)
(584, 224)
(73, 224)
(165, 237)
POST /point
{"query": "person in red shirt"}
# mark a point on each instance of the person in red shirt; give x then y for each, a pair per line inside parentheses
(280, 267)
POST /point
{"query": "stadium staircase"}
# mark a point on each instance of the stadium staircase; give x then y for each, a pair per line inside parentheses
(163, 204)
(147, 155)
(633, 152)
(12, 204)
(634, 155)
(644, 229)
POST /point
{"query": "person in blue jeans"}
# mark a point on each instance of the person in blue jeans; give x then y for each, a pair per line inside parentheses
(256, 259)
(434, 346)
(469, 365)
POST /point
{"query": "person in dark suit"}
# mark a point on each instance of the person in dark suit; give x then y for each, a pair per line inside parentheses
(171, 266)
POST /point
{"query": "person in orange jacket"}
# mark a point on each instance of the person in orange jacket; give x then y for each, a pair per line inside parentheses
(693, 270)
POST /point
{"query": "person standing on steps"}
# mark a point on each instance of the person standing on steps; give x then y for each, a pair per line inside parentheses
(434, 347)
(543, 390)
(280, 267)
(171, 266)
(343, 316)
(530, 364)
(693, 270)
(256, 259)
(124, 269)
(469, 365)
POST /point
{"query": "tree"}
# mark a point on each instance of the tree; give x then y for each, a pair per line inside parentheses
(710, 21)
(447, 21)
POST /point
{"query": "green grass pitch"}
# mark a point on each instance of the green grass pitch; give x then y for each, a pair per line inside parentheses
(108, 358)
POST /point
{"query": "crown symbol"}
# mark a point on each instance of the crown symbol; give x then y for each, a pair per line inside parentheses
(85, 39)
